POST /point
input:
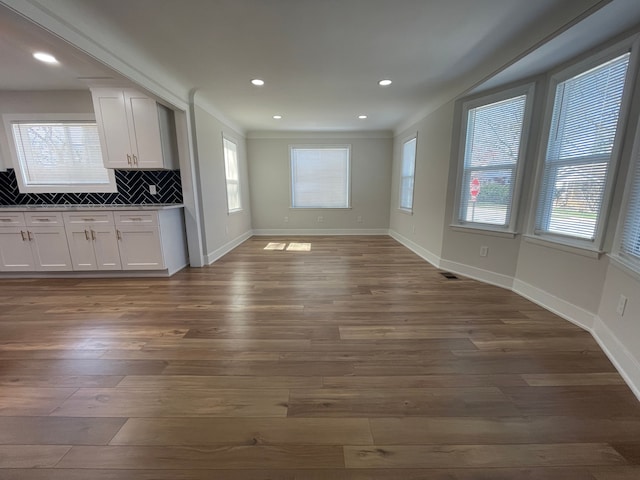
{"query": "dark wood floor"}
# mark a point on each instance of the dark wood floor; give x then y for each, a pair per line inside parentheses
(354, 361)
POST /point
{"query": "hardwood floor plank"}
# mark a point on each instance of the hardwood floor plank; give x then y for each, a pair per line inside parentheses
(470, 456)
(58, 431)
(60, 381)
(503, 430)
(212, 458)
(400, 402)
(31, 456)
(616, 473)
(423, 381)
(150, 402)
(567, 379)
(201, 382)
(18, 401)
(81, 367)
(244, 431)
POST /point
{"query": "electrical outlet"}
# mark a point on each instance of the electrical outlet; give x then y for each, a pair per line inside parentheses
(286, 219)
(359, 219)
(153, 190)
(320, 219)
(622, 305)
(484, 251)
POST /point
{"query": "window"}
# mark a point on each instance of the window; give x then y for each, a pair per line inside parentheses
(58, 156)
(492, 149)
(629, 237)
(579, 153)
(407, 173)
(232, 175)
(320, 176)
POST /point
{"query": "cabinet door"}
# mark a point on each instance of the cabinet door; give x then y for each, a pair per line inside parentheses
(144, 130)
(111, 117)
(15, 250)
(81, 248)
(106, 249)
(140, 248)
(50, 249)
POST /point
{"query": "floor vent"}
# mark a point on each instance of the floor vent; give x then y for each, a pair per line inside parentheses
(449, 275)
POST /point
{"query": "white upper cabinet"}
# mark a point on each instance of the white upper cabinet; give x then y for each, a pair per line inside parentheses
(136, 132)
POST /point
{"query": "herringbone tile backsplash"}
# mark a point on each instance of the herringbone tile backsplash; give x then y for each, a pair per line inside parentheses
(133, 189)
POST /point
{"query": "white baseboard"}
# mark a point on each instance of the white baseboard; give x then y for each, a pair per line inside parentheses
(624, 361)
(227, 247)
(423, 253)
(319, 232)
(486, 276)
(567, 310)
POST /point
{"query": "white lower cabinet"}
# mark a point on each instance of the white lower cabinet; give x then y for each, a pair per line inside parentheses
(91, 240)
(33, 243)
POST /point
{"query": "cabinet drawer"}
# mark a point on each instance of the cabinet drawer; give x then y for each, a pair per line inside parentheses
(11, 219)
(43, 218)
(146, 218)
(88, 218)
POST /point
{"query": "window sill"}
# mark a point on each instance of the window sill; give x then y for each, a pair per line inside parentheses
(483, 231)
(234, 212)
(565, 247)
(405, 211)
(625, 266)
(319, 208)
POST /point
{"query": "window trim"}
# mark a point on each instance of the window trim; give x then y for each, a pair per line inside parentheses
(10, 119)
(630, 45)
(403, 142)
(618, 254)
(349, 149)
(527, 89)
(231, 139)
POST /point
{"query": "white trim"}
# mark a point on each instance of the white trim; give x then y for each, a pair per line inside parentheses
(567, 310)
(565, 247)
(227, 247)
(483, 231)
(625, 266)
(93, 274)
(486, 276)
(319, 232)
(294, 135)
(627, 365)
(423, 253)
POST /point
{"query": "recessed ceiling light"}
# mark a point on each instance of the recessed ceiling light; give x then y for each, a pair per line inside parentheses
(277, 117)
(385, 83)
(362, 117)
(257, 82)
(45, 57)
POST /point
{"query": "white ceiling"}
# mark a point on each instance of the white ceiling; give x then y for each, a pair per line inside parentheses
(320, 59)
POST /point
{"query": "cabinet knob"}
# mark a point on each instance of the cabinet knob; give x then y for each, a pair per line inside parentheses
(29, 235)
(135, 159)
(86, 235)
(24, 238)
(128, 159)
(93, 235)
(118, 235)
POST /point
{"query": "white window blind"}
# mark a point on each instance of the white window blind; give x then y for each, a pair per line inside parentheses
(491, 155)
(407, 173)
(320, 177)
(59, 154)
(581, 141)
(232, 175)
(630, 241)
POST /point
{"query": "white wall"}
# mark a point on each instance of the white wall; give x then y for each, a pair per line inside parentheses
(222, 230)
(371, 156)
(63, 101)
(425, 226)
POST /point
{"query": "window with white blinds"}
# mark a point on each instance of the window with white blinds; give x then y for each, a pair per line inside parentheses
(493, 147)
(629, 242)
(320, 176)
(60, 157)
(232, 174)
(407, 173)
(579, 151)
